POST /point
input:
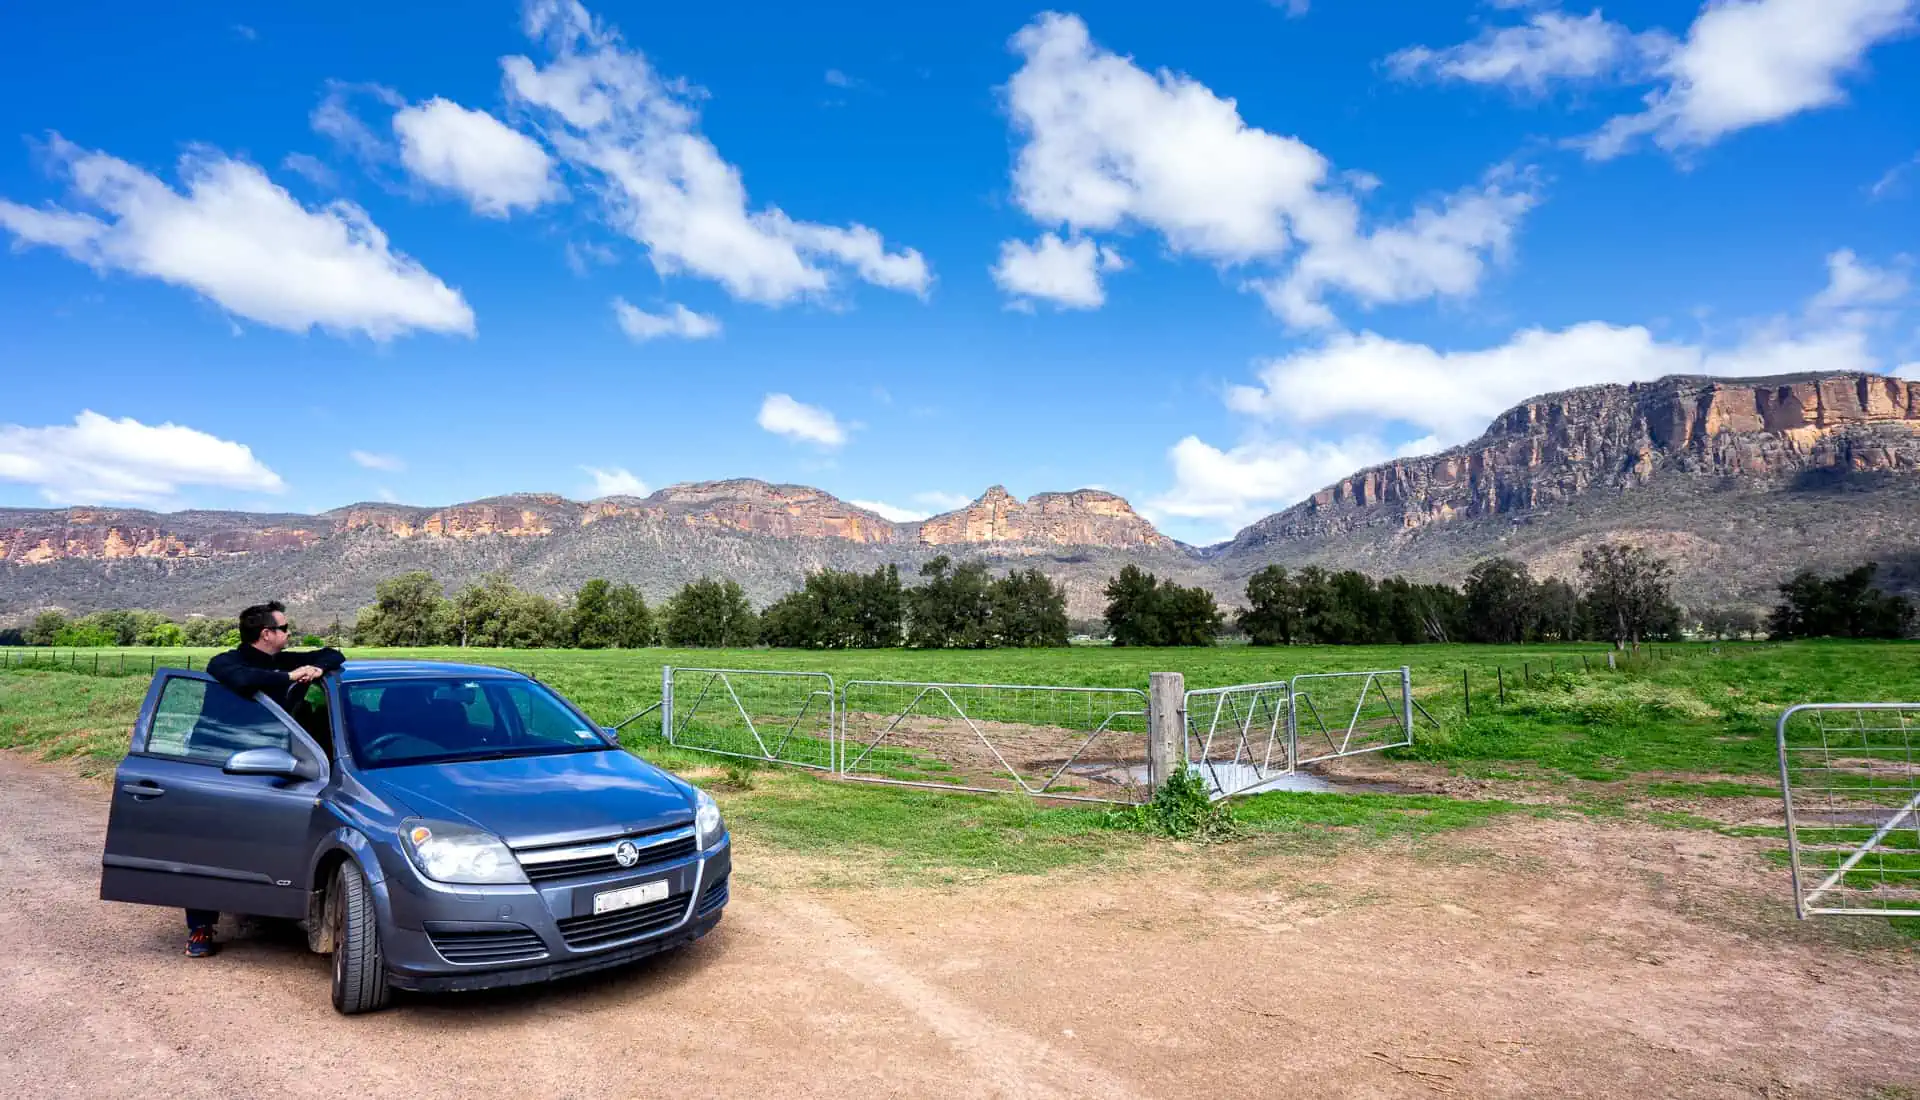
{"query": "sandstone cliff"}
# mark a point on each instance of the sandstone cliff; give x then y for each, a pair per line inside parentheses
(1087, 517)
(1554, 448)
(1709, 469)
(741, 506)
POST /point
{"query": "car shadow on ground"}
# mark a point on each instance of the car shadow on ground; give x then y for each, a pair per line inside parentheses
(281, 946)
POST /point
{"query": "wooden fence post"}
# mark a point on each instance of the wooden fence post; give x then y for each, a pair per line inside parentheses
(1166, 724)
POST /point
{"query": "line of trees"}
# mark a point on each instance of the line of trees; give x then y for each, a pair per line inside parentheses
(413, 610)
(1845, 606)
(954, 606)
(1624, 598)
(121, 628)
(1144, 610)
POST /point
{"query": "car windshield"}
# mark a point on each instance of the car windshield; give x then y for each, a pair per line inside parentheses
(421, 720)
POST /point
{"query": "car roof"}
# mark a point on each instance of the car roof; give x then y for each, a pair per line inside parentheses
(393, 670)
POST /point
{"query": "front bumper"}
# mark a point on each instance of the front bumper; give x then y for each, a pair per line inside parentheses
(468, 979)
(441, 938)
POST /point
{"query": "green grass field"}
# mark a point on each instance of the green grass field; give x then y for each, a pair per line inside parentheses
(1697, 708)
(1695, 723)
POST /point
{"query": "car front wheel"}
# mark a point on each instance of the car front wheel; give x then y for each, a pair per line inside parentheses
(359, 967)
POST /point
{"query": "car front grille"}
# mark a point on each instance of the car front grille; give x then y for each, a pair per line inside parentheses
(491, 946)
(586, 932)
(605, 864)
(715, 897)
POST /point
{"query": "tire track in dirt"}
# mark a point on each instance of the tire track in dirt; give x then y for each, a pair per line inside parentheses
(1014, 1062)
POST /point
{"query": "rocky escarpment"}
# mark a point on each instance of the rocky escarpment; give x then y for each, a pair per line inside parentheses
(738, 506)
(1616, 439)
(766, 536)
(1738, 482)
(777, 511)
(1087, 517)
(32, 536)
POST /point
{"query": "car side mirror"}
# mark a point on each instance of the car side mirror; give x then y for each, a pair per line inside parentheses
(278, 762)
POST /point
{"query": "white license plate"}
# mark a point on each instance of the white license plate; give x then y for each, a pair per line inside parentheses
(615, 900)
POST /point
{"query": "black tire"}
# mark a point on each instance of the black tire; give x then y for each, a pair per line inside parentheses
(359, 967)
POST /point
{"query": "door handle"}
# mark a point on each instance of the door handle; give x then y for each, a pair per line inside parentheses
(146, 788)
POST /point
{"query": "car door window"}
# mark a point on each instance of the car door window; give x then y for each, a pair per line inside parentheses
(200, 721)
(309, 708)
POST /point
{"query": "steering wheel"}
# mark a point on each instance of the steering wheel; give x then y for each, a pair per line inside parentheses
(373, 747)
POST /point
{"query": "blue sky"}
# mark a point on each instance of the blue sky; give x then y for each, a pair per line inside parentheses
(1209, 256)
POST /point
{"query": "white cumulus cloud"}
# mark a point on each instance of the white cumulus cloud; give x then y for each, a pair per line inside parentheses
(496, 168)
(1109, 147)
(1066, 273)
(1550, 46)
(1441, 250)
(783, 416)
(1454, 394)
(616, 481)
(240, 240)
(660, 181)
(100, 460)
(1854, 284)
(1747, 63)
(892, 513)
(1228, 489)
(677, 321)
(374, 461)
(942, 501)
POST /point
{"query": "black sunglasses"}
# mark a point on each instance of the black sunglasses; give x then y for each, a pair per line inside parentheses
(283, 628)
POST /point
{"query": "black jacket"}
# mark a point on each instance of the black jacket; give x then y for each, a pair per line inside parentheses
(247, 670)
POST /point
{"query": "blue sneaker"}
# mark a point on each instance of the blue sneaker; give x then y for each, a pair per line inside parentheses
(200, 943)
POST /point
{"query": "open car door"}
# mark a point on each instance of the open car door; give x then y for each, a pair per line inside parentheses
(195, 822)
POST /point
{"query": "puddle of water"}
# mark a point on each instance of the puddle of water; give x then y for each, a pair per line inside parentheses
(1246, 779)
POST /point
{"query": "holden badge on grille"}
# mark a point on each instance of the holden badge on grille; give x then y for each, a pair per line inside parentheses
(626, 854)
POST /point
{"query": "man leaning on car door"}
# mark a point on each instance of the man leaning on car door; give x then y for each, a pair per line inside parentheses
(260, 664)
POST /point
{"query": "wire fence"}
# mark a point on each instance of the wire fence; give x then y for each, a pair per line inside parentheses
(1850, 780)
(95, 662)
(1494, 685)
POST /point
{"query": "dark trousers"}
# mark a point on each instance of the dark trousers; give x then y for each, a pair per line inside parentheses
(201, 918)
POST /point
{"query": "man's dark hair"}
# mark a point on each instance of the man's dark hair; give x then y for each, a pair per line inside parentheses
(256, 619)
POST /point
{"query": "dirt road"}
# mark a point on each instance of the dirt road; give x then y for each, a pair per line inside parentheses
(1538, 958)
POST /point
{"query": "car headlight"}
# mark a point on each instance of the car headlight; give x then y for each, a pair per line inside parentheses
(706, 819)
(446, 852)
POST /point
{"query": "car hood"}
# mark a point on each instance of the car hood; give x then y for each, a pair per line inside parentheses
(535, 800)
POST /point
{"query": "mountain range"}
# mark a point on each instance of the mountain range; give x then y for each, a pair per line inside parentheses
(1740, 482)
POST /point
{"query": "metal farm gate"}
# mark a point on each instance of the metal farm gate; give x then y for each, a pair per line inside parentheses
(1240, 738)
(1243, 738)
(1078, 743)
(1850, 779)
(1349, 713)
(785, 717)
